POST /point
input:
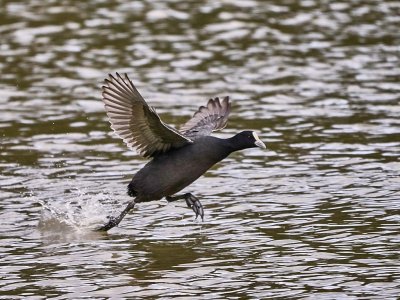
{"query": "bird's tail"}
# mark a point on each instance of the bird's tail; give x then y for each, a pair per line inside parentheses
(131, 190)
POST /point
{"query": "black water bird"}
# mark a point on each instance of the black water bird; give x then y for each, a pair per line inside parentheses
(178, 157)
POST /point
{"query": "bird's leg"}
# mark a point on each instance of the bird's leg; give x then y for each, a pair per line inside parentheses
(114, 221)
(191, 201)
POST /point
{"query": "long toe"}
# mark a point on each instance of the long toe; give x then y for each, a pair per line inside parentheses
(196, 206)
(198, 209)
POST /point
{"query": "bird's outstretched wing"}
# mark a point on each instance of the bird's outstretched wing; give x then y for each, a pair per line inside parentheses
(207, 119)
(135, 121)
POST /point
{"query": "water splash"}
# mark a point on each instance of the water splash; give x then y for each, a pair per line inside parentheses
(81, 211)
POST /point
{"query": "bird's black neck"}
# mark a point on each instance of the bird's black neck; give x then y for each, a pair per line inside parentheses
(234, 143)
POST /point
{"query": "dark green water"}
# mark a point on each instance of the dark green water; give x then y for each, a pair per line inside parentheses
(314, 217)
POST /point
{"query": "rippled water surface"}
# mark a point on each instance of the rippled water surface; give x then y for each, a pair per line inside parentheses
(314, 217)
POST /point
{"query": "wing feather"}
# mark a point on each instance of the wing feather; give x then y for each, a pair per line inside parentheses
(207, 119)
(135, 121)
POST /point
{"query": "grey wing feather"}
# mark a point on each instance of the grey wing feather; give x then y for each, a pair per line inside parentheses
(207, 119)
(135, 121)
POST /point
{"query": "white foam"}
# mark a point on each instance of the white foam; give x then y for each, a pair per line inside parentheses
(80, 211)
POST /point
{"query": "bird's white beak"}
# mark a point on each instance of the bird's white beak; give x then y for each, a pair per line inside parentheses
(258, 142)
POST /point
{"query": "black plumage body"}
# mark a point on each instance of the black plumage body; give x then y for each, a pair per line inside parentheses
(170, 172)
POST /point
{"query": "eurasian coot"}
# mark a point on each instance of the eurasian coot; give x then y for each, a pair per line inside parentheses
(179, 157)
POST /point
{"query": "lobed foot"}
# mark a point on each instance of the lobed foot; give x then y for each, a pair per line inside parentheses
(114, 221)
(192, 202)
(195, 204)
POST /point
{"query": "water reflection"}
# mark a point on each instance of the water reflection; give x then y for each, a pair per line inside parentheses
(316, 216)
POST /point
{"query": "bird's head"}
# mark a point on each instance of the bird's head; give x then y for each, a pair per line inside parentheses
(248, 139)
